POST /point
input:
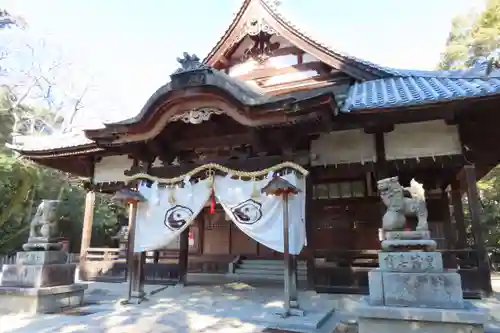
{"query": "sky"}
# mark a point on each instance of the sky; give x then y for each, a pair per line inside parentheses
(121, 51)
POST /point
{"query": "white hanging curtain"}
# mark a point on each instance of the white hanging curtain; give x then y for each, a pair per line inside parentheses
(167, 212)
(261, 216)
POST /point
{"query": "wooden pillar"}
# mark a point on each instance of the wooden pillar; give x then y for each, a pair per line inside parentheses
(458, 214)
(138, 279)
(449, 232)
(156, 257)
(88, 218)
(475, 214)
(381, 166)
(311, 262)
(447, 225)
(133, 260)
(183, 256)
(289, 301)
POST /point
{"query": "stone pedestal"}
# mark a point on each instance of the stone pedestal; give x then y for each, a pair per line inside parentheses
(411, 291)
(40, 281)
(385, 319)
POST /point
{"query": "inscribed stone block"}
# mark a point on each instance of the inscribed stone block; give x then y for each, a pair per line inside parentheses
(35, 276)
(375, 287)
(417, 261)
(423, 290)
(41, 257)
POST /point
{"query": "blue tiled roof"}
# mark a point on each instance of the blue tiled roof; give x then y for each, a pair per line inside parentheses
(414, 90)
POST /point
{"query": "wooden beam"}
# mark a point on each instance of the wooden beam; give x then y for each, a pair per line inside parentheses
(380, 128)
(300, 58)
(324, 77)
(161, 150)
(229, 140)
(318, 81)
(268, 72)
(287, 50)
(427, 162)
(250, 164)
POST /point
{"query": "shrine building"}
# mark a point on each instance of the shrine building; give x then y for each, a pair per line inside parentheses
(268, 93)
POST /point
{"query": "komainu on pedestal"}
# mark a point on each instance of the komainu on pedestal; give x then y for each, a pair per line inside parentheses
(41, 280)
(44, 228)
(411, 289)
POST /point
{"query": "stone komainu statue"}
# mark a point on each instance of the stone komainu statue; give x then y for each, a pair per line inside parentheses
(43, 227)
(399, 206)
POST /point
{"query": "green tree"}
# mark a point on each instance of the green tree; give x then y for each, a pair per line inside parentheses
(23, 184)
(472, 36)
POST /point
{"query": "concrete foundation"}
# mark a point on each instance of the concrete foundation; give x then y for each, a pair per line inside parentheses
(37, 276)
(39, 282)
(385, 319)
(41, 300)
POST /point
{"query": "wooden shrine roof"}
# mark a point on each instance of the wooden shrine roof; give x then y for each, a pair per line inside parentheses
(375, 89)
(268, 17)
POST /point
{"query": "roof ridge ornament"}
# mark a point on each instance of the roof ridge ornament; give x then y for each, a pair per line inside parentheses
(189, 62)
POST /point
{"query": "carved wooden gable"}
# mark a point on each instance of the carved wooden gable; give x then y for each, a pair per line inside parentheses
(277, 66)
(264, 50)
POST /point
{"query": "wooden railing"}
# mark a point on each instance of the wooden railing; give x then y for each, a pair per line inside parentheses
(104, 254)
(103, 264)
(7, 260)
(347, 271)
(109, 264)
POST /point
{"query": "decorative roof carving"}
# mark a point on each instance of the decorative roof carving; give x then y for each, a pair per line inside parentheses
(196, 116)
(262, 48)
(189, 63)
(256, 25)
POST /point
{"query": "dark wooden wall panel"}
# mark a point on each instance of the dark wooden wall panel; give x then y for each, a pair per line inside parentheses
(216, 233)
(241, 244)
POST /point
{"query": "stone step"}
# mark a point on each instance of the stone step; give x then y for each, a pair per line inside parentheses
(280, 268)
(246, 276)
(266, 272)
(270, 262)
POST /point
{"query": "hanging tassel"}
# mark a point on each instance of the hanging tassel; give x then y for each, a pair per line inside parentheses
(212, 203)
(171, 196)
(255, 190)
